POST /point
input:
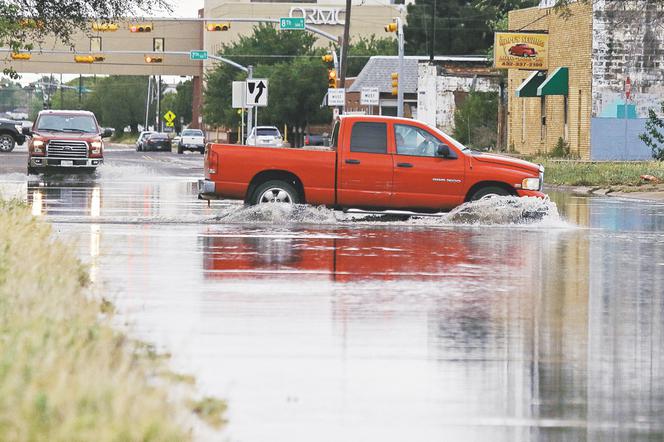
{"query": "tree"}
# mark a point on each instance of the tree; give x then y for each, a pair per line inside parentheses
(476, 120)
(119, 101)
(24, 23)
(654, 134)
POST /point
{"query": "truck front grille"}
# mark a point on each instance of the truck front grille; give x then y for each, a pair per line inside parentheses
(67, 149)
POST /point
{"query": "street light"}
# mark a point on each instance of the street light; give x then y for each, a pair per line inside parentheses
(395, 83)
(214, 27)
(21, 56)
(84, 59)
(397, 26)
(332, 78)
(153, 59)
(143, 27)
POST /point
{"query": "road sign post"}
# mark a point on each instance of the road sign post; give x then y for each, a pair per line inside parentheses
(291, 24)
(198, 55)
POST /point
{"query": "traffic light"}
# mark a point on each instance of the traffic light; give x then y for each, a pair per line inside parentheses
(331, 78)
(391, 27)
(327, 58)
(84, 58)
(21, 56)
(104, 27)
(212, 27)
(153, 59)
(144, 27)
(395, 83)
(98, 58)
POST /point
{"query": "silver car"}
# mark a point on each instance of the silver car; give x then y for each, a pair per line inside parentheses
(265, 136)
(142, 137)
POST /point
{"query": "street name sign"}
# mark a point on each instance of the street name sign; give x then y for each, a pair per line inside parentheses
(370, 96)
(256, 92)
(336, 97)
(198, 55)
(291, 23)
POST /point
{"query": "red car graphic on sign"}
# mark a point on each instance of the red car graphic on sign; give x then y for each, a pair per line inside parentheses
(522, 50)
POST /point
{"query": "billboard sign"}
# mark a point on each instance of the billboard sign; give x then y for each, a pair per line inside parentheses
(521, 50)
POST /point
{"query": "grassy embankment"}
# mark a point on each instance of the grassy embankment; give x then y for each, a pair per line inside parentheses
(65, 374)
(599, 174)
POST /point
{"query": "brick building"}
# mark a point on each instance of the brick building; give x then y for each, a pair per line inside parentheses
(607, 58)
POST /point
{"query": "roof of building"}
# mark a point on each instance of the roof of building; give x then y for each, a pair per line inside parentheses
(377, 71)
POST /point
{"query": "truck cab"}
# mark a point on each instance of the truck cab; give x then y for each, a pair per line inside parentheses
(65, 141)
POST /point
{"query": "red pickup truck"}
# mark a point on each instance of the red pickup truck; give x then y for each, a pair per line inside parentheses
(373, 163)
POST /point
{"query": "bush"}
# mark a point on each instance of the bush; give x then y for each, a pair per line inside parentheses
(653, 137)
(476, 120)
(561, 150)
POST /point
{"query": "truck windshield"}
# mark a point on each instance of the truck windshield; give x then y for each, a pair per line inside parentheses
(67, 123)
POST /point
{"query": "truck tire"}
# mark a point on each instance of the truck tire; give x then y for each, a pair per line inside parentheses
(488, 191)
(275, 191)
(7, 143)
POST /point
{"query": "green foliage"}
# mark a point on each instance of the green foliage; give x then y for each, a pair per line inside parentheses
(601, 174)
(560, 150)
(297, 85)
(119, 101)
(476, 120)
(24, 23)
(180, 103)
(461, 26)
(654, 134)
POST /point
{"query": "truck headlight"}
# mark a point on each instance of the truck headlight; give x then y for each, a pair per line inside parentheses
(38, 146)
(530, 184)
(96, 146)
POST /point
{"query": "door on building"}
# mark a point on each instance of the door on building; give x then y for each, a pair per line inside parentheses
(366, 171)
(421, 178)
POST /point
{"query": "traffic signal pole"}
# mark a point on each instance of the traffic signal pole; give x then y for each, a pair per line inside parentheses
(250, 110)
(401, 76)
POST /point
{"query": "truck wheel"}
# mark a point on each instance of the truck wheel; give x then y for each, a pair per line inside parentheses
(489, 191)
(276, 191)
(7, 143)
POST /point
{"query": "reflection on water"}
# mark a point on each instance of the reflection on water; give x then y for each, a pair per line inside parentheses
(393, 331)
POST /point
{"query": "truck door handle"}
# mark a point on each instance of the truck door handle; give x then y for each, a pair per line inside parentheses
(404, 165)
(352, 161)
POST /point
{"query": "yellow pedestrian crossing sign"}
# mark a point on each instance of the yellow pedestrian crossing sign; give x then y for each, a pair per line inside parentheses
(169, 116)
(170, 124)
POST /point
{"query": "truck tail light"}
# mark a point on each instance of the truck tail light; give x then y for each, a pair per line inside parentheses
(211, 161)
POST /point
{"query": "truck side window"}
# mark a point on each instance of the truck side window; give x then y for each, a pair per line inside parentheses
(412, 140)
(369, 138)
(335, 136)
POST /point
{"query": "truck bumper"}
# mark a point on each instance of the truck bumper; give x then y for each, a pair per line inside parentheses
(206, 190)
(65, 163)
(535, 193)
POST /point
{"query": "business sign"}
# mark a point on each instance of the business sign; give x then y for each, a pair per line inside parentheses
(370, 96)
(291, 23)
(336, 97)
(319, 15)
(521, 50)
(256, 92)
(198, 55)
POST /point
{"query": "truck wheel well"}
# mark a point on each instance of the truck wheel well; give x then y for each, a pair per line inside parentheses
(8, 132)
(268, 175)
(481, 184)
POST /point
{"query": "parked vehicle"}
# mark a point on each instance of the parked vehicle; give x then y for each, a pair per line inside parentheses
(522, 50)
(317, 140)
(265, 136)
(157, 141)
(65, 140)
(141, 139)
(11, 134)
(192, 139)
(373, 163)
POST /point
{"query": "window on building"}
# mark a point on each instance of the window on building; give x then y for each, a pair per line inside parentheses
(369, 138)
(543, 116)
(95, 44)
(158, 44)
(565, 118)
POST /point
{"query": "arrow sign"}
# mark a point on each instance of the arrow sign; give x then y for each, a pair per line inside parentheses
(256, 92)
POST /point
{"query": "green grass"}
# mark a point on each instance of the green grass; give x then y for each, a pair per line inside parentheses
(124, 138)
(65, 373)
(598, 174)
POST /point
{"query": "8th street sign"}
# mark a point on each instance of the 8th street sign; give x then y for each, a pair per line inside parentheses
(291, 23)
(198, 55)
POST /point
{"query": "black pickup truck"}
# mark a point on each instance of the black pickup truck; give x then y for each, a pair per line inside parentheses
(10, 135)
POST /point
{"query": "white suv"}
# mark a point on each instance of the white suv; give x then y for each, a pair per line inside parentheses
(265, 136)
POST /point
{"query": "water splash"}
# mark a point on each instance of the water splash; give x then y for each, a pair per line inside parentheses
(505, 210)
(276, 213)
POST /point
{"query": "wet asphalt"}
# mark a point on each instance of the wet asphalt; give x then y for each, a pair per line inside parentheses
(318, 326)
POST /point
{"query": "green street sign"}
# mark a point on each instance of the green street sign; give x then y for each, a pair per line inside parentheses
(198, 55)
(291, 23)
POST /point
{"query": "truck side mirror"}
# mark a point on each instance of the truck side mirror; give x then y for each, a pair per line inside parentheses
(26, 131)
(443, 151)
(107, 133)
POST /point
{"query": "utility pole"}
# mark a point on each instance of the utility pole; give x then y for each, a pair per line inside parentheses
(433, 30)
(147, 103)
(159, 103)
(401, 77)
(250, 111)
(80, 91)
(344, 44)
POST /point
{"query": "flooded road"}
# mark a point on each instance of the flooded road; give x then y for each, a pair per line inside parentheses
(317, 325)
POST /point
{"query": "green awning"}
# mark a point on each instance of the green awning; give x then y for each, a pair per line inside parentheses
(529, 87)
(555, 84)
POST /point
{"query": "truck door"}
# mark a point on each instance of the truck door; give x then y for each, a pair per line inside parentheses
(423, 180)
(365, 169)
